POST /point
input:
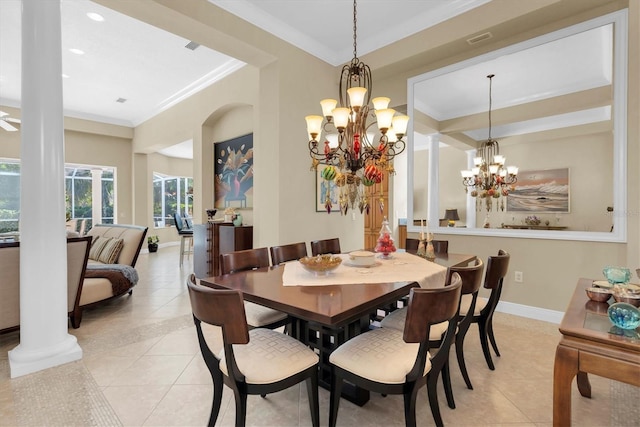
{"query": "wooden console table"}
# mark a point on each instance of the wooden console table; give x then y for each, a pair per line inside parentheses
(533, 227)
(590, 344)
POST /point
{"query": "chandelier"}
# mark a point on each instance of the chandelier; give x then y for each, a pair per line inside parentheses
(489, 178)
(354, 160)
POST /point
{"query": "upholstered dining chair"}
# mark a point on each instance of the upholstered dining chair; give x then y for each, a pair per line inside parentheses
(284, 253)
(186, 235)
(258, 361)
(258, 316)
(496, 271)
(439, 246)
(327, 246)
(471, 277)
(390, 361)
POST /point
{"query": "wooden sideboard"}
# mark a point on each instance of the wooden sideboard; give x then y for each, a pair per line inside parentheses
(215, 238)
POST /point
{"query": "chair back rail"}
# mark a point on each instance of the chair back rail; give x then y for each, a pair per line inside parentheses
(284, 253)
(326, 246)
(248, 259)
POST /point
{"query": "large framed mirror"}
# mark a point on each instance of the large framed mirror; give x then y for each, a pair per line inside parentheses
(558, 112)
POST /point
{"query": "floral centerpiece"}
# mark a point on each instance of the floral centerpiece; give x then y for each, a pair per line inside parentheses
(532, 220)
(229, 214)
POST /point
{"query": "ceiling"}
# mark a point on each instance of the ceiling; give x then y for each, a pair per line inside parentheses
(152, 70)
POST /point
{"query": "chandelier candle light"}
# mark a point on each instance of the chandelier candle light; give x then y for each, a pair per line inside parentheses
(489, 178)
(354, 160)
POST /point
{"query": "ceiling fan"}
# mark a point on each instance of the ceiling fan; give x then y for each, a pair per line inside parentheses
(4, 122)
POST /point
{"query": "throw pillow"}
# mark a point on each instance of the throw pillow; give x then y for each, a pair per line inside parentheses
(96, 247)
(111, 251)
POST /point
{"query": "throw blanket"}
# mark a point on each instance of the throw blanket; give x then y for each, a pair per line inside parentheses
(122, 277)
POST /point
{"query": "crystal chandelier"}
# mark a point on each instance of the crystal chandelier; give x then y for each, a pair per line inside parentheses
(355, 162)
(489, 178)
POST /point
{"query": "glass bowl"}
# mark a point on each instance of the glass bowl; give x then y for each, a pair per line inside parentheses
(617, 274)
(321, 264)
(623, 315)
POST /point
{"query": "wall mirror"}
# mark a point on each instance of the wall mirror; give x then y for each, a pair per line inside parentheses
(559, 115)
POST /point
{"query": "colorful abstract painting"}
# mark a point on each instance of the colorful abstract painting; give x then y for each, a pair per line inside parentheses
(234, 172)
(540, 191)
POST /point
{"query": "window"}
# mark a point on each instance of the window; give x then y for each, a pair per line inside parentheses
(78, 189)
(171, 194)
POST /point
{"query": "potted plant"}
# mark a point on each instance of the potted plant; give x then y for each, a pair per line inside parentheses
(152, 242)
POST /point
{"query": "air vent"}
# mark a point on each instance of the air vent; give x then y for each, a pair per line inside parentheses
(121, 100)
(192, 45)
(479, 38)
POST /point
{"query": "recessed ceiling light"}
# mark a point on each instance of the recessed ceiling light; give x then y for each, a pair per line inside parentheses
(65, 76)
(76, 51)
(95, 16)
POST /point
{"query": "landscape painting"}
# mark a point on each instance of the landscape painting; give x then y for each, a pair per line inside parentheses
(540, 191)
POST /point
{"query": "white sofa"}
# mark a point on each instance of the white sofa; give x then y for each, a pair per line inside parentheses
(98, 289)
(77, 256)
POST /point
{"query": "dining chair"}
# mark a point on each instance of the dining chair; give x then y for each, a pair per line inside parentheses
(390, 361)
(327, 246)
(471, 277)
(258, 316)
(439, 246)
(186, 235)
(290, 252)
(258, 361)
(496, 271)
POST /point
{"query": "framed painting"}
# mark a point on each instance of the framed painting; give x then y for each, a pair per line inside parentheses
(324, 188)
(233, 168)
(540, 191)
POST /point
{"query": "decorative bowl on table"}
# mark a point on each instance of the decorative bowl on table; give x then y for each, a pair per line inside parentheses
(629, 298)
(362, 258)
(617, 274)
(320, 264)
(598, 294)
(624, 315)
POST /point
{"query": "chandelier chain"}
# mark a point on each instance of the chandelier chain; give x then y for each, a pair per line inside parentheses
(355, 30)
(490, 76)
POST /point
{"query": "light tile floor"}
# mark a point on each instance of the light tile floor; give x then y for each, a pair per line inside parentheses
(142, 367)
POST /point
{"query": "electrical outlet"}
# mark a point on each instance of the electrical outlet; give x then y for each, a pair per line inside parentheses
(519, 277)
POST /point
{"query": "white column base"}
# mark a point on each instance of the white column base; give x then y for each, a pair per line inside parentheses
(23, 362)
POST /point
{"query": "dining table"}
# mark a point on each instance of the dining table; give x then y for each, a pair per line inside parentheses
(327, 310)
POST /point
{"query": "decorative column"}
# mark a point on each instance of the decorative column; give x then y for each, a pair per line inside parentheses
(44, 338)
(433, 186)
(96, 197)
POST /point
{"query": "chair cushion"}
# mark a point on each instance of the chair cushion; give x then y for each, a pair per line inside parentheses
(111, 251)
(465, 303)
(96, 247)
(259, 315)
(397, 318)
(379, 355)
(270, 356)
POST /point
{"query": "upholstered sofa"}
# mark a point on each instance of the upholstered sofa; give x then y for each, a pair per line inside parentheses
(115, 248)
(77, 256)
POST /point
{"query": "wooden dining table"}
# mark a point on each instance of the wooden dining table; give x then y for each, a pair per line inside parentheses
(324, 317)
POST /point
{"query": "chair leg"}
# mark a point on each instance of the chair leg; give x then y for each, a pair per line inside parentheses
(492, 339)
(432, 391)
(446, 382)
(314, 405)
(181, 249)
(217, 398)
(460, 356)
(410, 405)
(334, 403)
(485, 345)
(241, 409)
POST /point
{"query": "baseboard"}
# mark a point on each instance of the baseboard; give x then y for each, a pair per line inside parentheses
(161, 245)
(530, 312)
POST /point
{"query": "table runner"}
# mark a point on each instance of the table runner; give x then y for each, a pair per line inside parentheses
(401, 267)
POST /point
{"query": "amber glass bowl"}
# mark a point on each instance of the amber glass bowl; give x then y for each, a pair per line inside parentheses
(321, 264)
(598, 294)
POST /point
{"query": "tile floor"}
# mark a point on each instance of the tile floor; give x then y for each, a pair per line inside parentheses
(142, 367)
